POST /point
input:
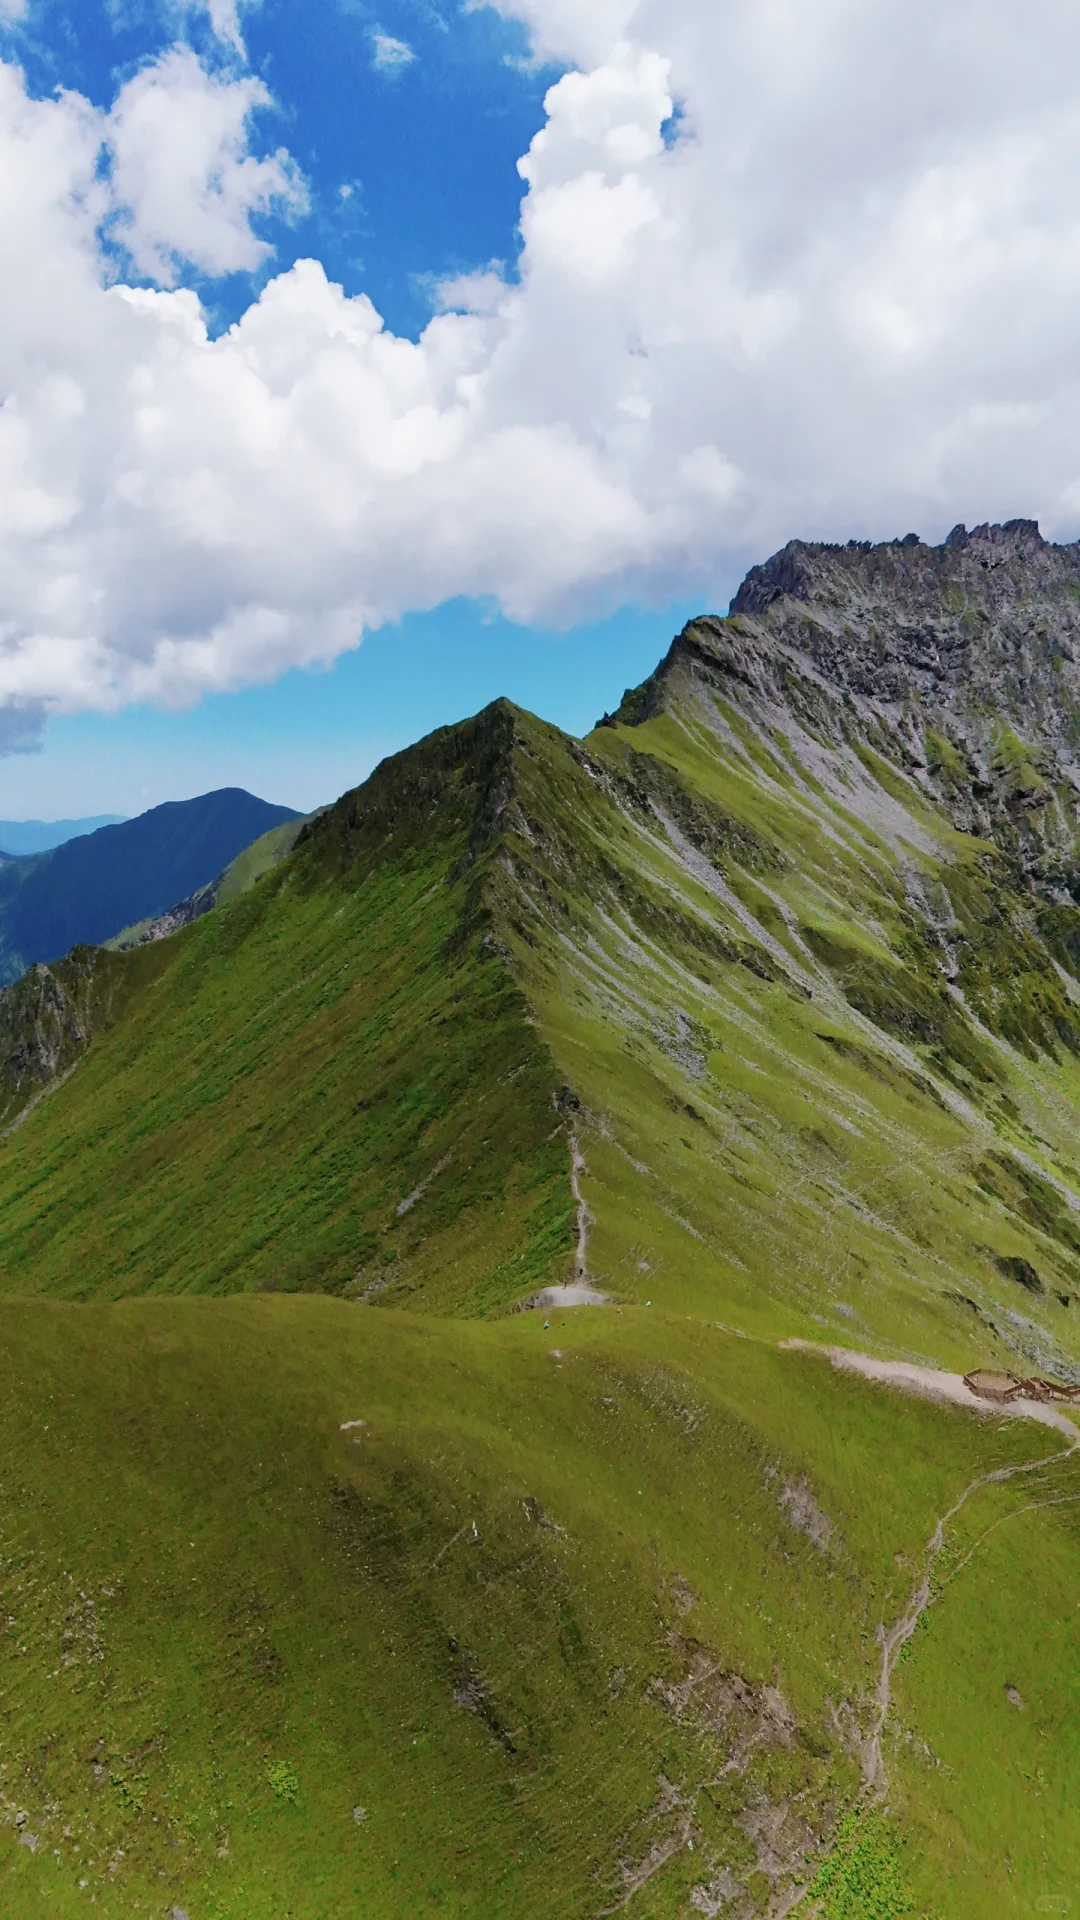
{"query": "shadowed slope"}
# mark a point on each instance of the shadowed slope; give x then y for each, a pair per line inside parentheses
(261, 857)
(329, 1083)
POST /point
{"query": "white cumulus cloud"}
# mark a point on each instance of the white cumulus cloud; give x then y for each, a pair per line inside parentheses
(782, 271)
(182, 177)
(389, 55)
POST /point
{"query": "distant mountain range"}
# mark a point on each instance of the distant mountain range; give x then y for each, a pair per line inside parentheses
(20, 837)
(85, 890)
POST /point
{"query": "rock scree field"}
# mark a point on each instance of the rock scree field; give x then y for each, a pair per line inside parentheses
(341, 1579)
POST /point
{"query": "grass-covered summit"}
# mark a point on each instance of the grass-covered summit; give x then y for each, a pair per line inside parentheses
(756, 1012)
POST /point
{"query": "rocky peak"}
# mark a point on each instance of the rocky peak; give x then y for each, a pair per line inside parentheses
(960, 662)
(1016, 536)
(987, 564)
(981, 631)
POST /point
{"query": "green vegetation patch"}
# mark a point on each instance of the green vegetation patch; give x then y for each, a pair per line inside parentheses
(912, 1005)
(319, 1606)
(1032, 1198)
(863, 1878)
(316, 1610)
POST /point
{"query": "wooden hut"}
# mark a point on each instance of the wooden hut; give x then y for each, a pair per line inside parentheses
(1002, 1387)
(1006, 1387)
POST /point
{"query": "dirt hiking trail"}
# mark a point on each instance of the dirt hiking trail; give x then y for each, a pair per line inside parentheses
(932, 1384)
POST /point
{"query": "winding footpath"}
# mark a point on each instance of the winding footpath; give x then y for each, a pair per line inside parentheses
(896, 1637)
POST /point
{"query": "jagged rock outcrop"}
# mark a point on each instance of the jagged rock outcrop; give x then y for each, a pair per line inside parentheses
(48, 1019)
(959, 662)
(985, 626)
(179, 916)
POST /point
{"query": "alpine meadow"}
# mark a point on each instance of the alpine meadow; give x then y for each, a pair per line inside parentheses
(486, 1290)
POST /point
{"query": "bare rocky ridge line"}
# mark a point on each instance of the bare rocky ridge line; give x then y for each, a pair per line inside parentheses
(871, 646)
(170, 922)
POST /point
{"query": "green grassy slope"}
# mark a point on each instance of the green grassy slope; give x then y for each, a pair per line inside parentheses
(330, 1083)
(263, 855)
(719, 1010)
(784, 1112)
(786, 1117)
(549, 1617)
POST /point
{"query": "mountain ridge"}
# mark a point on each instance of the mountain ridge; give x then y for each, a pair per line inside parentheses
(721, 1014)
(549, 830)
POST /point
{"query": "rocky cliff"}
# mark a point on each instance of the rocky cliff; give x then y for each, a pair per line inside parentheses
(960, 663)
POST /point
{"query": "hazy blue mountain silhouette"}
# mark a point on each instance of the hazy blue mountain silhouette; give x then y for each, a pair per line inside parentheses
(20, 837)
(89, 888)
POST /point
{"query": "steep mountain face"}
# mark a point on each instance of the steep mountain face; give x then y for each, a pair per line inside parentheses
(90, 887)
(48, 1019)
(963, 661)
(757, 1014)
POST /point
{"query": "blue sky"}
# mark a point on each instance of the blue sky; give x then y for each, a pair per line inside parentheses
(504, 336)
(425, 149)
